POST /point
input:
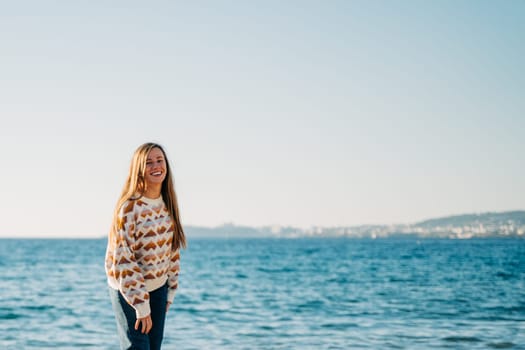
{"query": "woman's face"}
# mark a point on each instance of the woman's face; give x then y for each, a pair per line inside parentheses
(155, 167)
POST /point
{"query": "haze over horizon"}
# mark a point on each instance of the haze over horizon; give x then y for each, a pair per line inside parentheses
(296, 114)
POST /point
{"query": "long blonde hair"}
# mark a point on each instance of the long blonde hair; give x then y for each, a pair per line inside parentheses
(135, 186)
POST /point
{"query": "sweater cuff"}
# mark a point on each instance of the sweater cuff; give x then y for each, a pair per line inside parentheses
(171, 295)
(142, 310)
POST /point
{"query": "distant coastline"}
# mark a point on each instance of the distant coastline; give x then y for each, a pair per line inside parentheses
(508, 224)
(483, 225)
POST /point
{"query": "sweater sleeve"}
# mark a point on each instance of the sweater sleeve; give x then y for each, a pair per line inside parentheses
(126, 271)
(173, 274)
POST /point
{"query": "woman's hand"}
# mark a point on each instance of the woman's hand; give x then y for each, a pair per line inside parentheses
(145, 323)
(168, 304)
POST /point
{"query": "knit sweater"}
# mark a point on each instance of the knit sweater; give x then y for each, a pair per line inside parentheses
(139, 256)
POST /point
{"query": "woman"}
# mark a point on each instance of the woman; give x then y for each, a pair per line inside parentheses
(142, 257)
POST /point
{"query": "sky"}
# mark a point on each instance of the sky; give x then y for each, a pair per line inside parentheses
(293, 113)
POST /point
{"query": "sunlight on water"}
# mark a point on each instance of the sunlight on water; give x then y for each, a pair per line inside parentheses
(279, 294)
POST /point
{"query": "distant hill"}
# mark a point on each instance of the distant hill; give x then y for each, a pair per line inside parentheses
(483, 225)
(517, 217)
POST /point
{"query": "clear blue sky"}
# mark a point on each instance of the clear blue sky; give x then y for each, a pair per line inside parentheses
(297, 113)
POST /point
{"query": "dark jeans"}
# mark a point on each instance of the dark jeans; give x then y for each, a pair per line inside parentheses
(131, 339)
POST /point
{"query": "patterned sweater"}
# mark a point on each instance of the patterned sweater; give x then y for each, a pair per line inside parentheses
(139, 257)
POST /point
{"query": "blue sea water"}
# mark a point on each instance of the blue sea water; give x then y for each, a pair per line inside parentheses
(279, 294)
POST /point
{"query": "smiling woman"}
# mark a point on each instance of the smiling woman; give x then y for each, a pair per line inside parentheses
(142, 257)
(155, 172)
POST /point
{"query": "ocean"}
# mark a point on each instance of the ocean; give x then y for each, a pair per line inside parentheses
(279, 294)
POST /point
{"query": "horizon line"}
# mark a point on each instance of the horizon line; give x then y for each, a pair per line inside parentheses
(232, 224)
